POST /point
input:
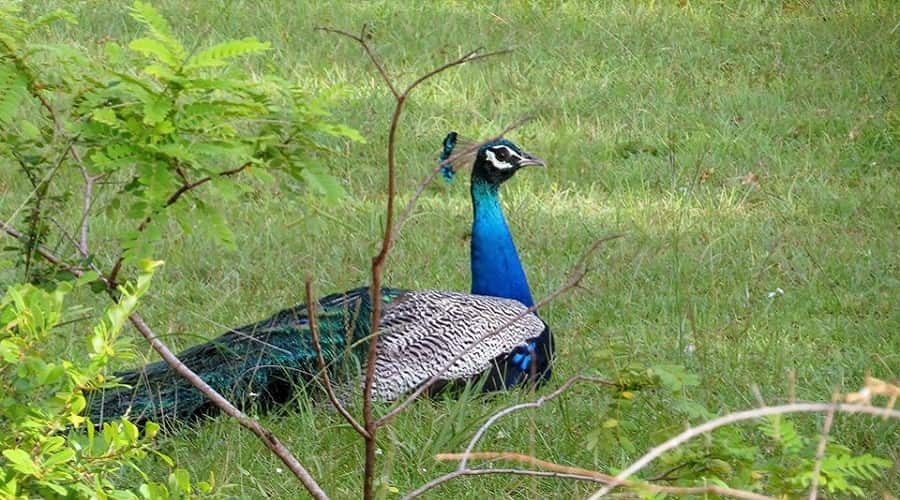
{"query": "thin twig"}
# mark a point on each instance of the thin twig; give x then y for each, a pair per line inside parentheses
(578, 273)
(534, 404)
(266, 436)
(738, 417)
(486, 472)
(370, 422)
(601, 477)
(323, 368)
(361, 39)
(820, 450)
(174, 197)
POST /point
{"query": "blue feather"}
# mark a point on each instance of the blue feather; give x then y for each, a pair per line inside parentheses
(447, 168)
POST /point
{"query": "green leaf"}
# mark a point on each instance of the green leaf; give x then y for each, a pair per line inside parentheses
(105, 116)
(221, 53)
(158, 27)
(21, 461)
(156, 110)
(87, 277)
(63, 456)
(29, 130)
(155, 48)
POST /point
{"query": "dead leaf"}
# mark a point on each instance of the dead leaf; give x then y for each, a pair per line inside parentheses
(750, 179)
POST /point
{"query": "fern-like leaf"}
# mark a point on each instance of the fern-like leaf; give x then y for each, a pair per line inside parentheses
(783, 432)
(221, 54)
(13, 92)
(159, 28)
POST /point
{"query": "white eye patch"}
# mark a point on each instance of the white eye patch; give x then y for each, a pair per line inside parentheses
(504, 164)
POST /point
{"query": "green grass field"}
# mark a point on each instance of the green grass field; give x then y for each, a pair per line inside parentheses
(740, 147)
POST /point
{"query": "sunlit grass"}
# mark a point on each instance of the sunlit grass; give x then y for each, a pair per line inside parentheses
(740, 150)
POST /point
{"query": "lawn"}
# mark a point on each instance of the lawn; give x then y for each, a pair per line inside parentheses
(748, 154)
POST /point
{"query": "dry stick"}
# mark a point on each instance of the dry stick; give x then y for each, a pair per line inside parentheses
(485, 472)
(601, 477)
(463, 468)
(738, 417)
(269, 439)
(578, 273)
(361, 39)
(113, 275)
(534, 404)
(820, 450)
(371, 424)
(88, 179)
(323, 368)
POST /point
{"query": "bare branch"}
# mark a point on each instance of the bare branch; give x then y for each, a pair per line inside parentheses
(578, 273)
(371, 424)
(738, 417)
(820, 450)
(174, 197)
(266, 436)
(323, 368)
(603, 478)
(534, 404)
(361, 39)
(469, 57)
(486, 472)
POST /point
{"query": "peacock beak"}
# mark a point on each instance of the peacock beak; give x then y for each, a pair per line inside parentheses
(531, 160)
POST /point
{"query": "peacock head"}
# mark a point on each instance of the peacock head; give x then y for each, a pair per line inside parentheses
(495, 162)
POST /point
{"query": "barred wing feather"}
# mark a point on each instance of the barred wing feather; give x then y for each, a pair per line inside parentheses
(422, 331)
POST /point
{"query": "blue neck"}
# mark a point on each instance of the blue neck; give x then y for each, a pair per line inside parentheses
(496, 268)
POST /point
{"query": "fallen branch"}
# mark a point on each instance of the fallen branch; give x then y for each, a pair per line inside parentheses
(601, 477)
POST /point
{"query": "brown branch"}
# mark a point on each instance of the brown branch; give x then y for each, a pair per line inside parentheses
(486, 472)
(738, 417)
(174, 197)
(369, 421)
(266, 436)
(361, 39)
(820, 450)
(311, 305)
(601, 477)
(578, 273)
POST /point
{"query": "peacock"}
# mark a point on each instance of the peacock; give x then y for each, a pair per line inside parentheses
(421, 331)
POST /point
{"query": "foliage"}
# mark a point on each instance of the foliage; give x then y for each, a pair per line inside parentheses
(777, 134)
(159, 118)
(48, 448)
(775, 458)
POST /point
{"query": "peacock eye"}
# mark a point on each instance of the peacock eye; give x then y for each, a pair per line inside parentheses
(501, 154)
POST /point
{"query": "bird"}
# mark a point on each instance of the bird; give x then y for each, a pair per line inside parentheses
(452, 336)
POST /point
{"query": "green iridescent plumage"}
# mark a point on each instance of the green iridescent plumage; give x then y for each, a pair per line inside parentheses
(260, 363)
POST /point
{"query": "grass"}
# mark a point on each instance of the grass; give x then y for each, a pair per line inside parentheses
(742, 149)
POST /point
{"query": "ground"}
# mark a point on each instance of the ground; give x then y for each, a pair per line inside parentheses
(749, 155)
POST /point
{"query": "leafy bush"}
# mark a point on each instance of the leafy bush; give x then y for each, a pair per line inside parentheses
(156, 117)
(48, 447)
